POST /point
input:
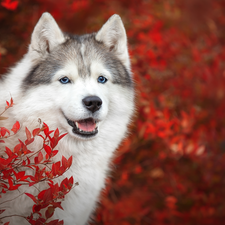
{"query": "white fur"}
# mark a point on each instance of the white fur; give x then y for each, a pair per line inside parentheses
(46, 35)
(91, 157)
(113, 35)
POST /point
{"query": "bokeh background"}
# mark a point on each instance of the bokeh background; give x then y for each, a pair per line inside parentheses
(171, 169)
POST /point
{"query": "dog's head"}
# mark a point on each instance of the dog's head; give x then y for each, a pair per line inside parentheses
(84, 80)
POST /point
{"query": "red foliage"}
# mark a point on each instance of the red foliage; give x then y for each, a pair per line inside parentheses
(8, 4)
(171, 170)
(15, 164)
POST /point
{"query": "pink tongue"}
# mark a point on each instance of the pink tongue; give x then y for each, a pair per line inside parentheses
(86, 125)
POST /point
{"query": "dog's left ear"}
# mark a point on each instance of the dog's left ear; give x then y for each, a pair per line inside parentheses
(45, 37)
(113, 36)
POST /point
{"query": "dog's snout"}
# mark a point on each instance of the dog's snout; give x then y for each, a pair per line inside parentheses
(92, 103)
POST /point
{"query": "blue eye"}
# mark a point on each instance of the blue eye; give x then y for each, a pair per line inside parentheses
(65, 80)
(102, 79)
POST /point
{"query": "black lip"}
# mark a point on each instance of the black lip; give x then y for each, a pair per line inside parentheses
(81, 133)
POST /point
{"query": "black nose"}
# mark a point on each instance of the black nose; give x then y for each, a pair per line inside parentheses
(92, 103)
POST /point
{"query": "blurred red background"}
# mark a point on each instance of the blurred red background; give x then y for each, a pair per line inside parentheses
(170, 170)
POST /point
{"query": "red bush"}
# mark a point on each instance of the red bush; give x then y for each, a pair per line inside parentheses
(16, 162)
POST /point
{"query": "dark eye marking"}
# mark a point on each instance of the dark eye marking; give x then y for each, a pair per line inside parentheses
(65, 80)
(102, 79)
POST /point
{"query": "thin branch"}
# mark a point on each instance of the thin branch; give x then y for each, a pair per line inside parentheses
(11, 216)
(12, 199)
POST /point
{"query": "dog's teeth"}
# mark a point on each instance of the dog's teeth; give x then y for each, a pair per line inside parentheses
(77, 125)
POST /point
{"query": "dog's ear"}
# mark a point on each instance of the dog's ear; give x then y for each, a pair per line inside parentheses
(113, 36)
(45, 37)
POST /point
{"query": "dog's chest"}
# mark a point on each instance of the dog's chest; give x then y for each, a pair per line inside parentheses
(89, 169)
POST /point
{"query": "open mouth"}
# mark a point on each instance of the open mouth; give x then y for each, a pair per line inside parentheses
(85, 128)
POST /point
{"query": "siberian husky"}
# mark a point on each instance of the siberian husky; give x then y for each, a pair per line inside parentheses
(82, 85)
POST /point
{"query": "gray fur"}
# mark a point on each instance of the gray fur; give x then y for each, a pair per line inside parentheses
(43, 71)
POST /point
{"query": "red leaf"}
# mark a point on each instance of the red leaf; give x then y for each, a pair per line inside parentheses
(36, 131)
(57, 205)
(61, 136)
(70, 184)
(24, 178)
(19, 175)
(10, 182)
(28, 134)
(7, 223)
(45, 195)
(48, 149)
(11, 6)
(54, 153)
(17, 148)
(49, 212)
(40, 157)
(31, 184)
(36, 208)
(56, 134)
(2, 210)
(11, 186)
(4, 131)
(70, 160)
(56, 138)
(11, 101)
(36, 160)
(53, 142)
(46, 129)
(4, 163)
(55, 168)
(15, 187)
(15, 127)
(29, 142)
(8, 151)
(25, 150)
(64, 162)
(32, 197)
(64, 185)
(28, 161)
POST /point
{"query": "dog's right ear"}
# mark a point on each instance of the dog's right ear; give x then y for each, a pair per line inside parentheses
(45, 37)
